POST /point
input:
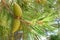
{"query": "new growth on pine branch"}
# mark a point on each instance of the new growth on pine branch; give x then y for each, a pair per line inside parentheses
(11, 12)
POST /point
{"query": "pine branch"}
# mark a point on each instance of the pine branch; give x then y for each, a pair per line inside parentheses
(21, 19)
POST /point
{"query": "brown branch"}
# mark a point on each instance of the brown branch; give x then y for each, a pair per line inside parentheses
(40, 22)
(25, 21)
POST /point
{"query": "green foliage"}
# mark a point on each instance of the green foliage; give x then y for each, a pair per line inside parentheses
(54, 37)
(32, 12)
